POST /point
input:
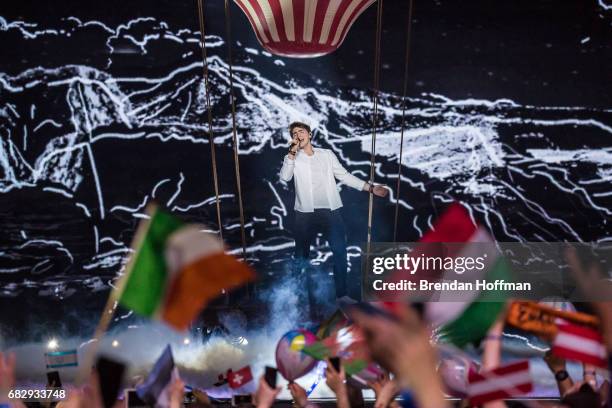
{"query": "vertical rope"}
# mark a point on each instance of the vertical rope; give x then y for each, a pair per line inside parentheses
(228, 28)
(399, 164)
(211, 139)
(374, 118)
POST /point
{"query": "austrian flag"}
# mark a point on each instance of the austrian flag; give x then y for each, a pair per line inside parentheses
(580, 343)
(503, 382)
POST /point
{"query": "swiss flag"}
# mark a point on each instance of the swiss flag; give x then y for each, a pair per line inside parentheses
(237, 379)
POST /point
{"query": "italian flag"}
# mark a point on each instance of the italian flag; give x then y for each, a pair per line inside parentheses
(466, 320)
(176, 269)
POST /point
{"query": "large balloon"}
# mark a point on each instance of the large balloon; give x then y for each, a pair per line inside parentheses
(453, 368)
(291, 362)
(302, 28)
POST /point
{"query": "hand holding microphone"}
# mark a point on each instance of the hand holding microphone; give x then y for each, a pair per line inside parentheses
(292, 147)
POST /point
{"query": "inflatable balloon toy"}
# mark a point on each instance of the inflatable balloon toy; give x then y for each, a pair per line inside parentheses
(302, 28)
(291, 362)
(453, 367)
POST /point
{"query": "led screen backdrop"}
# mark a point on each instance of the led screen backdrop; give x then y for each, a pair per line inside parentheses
(102, 110)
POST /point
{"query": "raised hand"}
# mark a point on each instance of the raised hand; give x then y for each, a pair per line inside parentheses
(380, 190)
(385, 390)
(336, 381)
(403, 348)
(265, 395)
(295, 145)
(588, 279)
(554, 363)
(299, 394)
(7, 374)
(177, 393)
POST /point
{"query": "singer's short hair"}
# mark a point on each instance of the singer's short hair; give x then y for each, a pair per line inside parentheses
(302, 125)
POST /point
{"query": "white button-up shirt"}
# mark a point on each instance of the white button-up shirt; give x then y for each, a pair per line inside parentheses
(314, 187)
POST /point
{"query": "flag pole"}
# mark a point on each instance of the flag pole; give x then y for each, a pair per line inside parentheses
(113, 298)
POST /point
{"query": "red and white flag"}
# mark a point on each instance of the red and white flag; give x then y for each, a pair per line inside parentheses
(580, 343)
(503, 382)
(237, 379)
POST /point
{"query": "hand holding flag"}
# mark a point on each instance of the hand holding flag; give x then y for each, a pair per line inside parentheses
(403, 348)
(542, 320)
(7, 375)
(466, 321)
(176, 270)
(221, 380)
(347, 343)
(58, 359)
(265, 395)
(336, 381)
(593, 286)
(160, 386)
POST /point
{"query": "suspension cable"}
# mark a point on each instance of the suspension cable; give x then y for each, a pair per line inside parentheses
(399, 163)
(211, 138)
(374, 120)
(228, 28)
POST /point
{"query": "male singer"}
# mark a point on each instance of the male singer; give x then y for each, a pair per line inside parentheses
(317, 201)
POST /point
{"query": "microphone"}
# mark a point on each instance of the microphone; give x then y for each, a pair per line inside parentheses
(292, 145)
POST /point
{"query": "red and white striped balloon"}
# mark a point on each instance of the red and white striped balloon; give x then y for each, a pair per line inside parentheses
(302, 28)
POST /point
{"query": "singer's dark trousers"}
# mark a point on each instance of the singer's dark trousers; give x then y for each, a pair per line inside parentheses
(330, 223)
